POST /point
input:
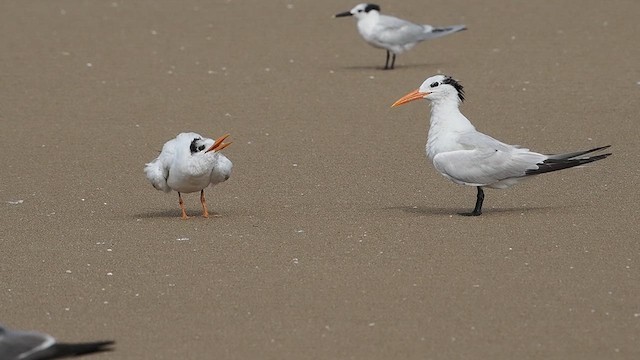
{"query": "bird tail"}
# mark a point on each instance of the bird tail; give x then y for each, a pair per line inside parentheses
(156, 176)
(67, 349)
(568, 160)
(431, 32)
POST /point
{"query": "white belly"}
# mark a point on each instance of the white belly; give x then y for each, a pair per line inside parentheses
(188, 184)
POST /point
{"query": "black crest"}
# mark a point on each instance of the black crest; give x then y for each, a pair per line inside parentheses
(371, 7)
(453, 82)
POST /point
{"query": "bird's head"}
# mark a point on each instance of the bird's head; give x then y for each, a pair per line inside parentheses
(435, 88)
(197, 145)
(360, 11)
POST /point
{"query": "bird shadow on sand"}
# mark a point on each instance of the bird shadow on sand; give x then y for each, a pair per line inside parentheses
(171, 214)
(425, 210)
(161, 214)
(397, 67)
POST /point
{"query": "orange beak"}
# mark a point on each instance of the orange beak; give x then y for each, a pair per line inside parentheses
(414, 95)
(219, 144)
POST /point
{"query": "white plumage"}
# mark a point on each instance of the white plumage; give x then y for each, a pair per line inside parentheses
(393, 34)
(189, 163)
(468, 157)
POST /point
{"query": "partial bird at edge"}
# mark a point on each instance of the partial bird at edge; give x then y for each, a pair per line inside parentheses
(28, 345)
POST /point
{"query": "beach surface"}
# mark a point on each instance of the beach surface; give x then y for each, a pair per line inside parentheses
(338, 239)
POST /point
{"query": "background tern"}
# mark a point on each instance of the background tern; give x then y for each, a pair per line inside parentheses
(393, 34)
(468, 157)
(22, 345)
(190, 163)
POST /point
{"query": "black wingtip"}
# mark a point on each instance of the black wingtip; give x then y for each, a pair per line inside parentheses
(439, 30)
(576, 154)
(75, 349)
(554, 164)
(596, 149)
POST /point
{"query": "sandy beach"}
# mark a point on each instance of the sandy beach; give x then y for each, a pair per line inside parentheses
(338, 239)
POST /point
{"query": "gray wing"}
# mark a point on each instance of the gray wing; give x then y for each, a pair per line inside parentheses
(62, 350)
(397, 31)
(22, 345)
(483, 160)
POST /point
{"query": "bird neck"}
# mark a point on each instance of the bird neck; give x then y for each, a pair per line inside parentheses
(366, 23)
(445, 124)
(446, 116)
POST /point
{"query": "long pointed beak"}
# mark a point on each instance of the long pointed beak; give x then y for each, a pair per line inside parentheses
(219, 144)
(223, 145)
(414, 95)
(343, 14)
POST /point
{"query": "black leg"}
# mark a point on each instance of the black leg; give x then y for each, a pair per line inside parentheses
(393, 62)
(477, 211)
(386, 63)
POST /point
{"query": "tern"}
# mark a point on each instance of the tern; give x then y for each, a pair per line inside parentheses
(393, 34)
(468, 157)
(190, 163)
(23, 345)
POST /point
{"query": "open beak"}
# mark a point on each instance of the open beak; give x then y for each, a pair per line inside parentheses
(414, 95)
(219, 144)
(343, 14)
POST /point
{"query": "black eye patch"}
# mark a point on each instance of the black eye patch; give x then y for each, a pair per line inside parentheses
(201, 148)
(434, 84)
(194, 147)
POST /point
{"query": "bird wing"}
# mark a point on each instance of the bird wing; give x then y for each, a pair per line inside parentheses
(222, 170)
(21, 345)
(392, 30)
(157, 171)
(64, 350)
(483, 160)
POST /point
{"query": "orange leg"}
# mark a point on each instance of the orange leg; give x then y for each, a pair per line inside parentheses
(184, 212)
(205, 212)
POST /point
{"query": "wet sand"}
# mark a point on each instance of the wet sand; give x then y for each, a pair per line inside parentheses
(338, 239)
